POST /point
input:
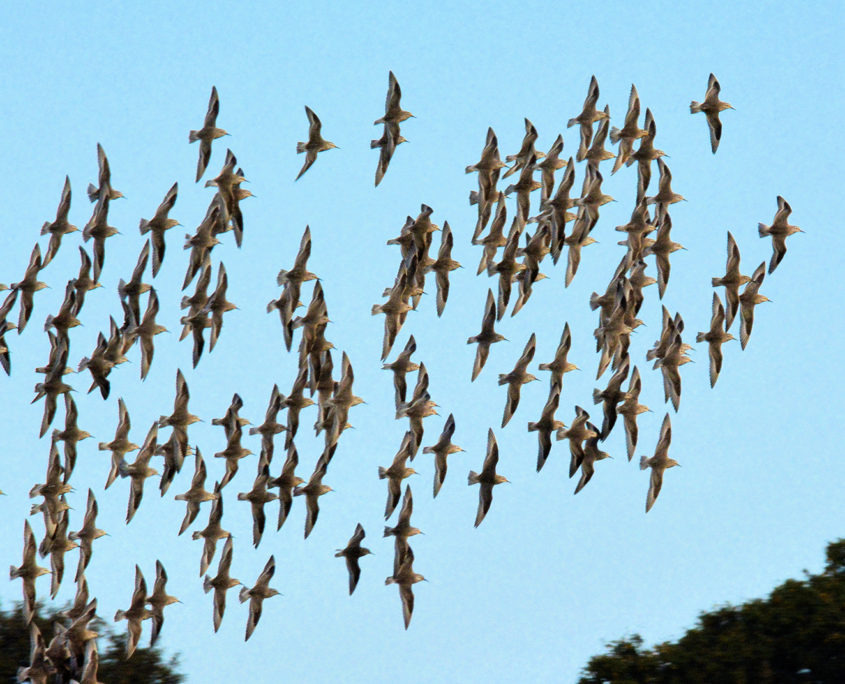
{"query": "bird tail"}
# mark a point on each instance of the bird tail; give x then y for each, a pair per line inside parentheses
(193, 136)
(763, 229)
(571, 123)
(206, 584)
(243, 594)
(643, 462)
(472, 478)
(471, 169)
(716, 282)
(13, 572)
(533, 427)
(614, 135)
(382, 473)
(93, 191)
(502, 379)
(300, 147)
(45, 228)
(473, 197)
(428, 450)
(700, 337)
(144, 226)
(376, 309)
(387, 531)
(596, 396)
(694, 107)
(594, 301)
(389, 580)
(123, 468)
(119, 615)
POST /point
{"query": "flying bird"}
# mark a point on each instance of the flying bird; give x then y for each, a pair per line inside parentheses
(658, 463)
(315, 143)
(487, 478)
(711, 107)
(486, 337)
(779, 231)
(207, 133)
(256, 595)
(352, 554)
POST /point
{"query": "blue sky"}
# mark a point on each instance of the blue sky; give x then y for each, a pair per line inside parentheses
(548, 577)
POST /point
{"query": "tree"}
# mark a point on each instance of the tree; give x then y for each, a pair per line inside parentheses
(796, 634)
(147, 665)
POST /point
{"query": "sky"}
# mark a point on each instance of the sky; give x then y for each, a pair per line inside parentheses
(548, 578)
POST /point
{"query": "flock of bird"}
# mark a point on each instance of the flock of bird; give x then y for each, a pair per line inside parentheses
(511, 258)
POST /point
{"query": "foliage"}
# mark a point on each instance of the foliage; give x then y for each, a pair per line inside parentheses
(797, 634)
(147, 665)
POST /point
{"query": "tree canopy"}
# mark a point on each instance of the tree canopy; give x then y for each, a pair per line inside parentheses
(146, 666)
(796, 634)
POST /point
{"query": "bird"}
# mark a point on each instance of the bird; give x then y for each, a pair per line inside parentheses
(221, 583)
(577, 433)
(139, 471)
(71, 435)
(158, 601)
(591, 455)
(212, 531)
(98, 228)
(256, 595)
(393, 113)
(216, 305)
(135, 613)
(559, 366)
(711, 107)
(287, 482)
(661, 248)
(28, 571)
(486, 337)
(131, 292)
(403, 528)
(207, 133)
(441, 450)
(589, 115)
(779, 231)
(405, 577)
(270, 427)
(517, 378)
(146, 330)
(731, 281)
(158, 224)
(104, 188)
(629, 409)
(749, 298)
(60, 227)
(26, 287)
(197, 493)
(546, 425)
(352, 555)
(658, 463)
(387, 144)
(715, 337)
(312, 490)
(86, 535)
(401, 366)
(443, 265)
(257, 497)
(396, 472)
(315, 143)
(610, 397)
(629, 132)
(487, 478)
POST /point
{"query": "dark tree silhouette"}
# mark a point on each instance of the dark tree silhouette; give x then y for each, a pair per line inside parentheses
(797, 634)
(146, 666)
